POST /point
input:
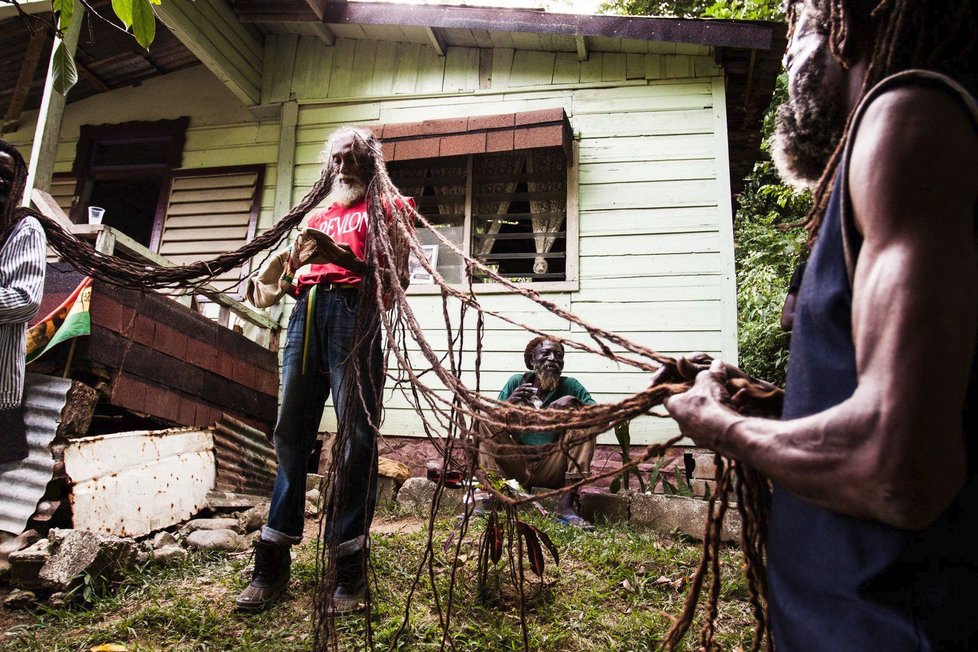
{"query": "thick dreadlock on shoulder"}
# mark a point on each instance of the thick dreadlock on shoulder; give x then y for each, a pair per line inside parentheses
(937, 35)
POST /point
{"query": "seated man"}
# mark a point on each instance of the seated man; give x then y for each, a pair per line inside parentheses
(543, 387)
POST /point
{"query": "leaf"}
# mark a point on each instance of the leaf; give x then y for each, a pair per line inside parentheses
(615, 485)
(110, 647)
(534, 553)
(65, 9)
(547, 542)
(123, 9)
(63, 72)
(494, 536)
(143, 22)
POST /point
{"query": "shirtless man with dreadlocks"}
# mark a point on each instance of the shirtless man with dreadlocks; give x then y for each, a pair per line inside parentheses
(22, 265)
(324, 340)
(875, 463)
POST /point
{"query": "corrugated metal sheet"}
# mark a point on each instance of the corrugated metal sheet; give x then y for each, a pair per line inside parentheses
(132, 483)
(22, 484)
(245, 460)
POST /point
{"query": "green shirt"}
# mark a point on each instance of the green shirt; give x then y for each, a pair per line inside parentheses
(565, 387)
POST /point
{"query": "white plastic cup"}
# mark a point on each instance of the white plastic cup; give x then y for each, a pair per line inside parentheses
(95, 214)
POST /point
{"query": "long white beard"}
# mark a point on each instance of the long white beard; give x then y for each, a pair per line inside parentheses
(348, 192)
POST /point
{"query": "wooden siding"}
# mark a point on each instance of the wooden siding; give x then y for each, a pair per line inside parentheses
(655, 247)
(305, 68)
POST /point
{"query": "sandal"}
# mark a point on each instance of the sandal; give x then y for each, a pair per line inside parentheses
(573, 520)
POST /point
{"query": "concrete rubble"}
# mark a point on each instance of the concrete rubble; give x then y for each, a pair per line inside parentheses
(58, 562)
(226, 540)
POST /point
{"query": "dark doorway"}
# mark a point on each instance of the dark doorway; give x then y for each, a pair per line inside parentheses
(127, 169)
(130, 205)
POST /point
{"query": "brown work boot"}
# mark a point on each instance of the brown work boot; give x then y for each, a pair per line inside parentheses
(269, 579)
(351, 584)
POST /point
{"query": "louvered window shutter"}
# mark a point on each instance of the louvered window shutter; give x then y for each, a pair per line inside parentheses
(211, 213)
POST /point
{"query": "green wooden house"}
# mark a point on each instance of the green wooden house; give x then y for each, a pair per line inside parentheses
(595, 157)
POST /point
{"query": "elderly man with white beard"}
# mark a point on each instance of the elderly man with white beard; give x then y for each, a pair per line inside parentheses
(322, 334)
(568, 459)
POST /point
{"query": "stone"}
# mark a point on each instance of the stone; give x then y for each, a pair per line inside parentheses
(76, 553)
(313, 495)
(385, 492)
(704, 466)
(227, 540)
(254, 518)
(13, 544)
(416, 494)
(172, 554)
(26, 564)
(314, 482)
(196, 524)
(19, 599)
(388, 468)
(163, 539)
(667, 514)
(311, 510)
(59, 600)
(604, 507)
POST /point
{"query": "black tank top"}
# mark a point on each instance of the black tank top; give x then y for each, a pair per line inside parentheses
(842, 583)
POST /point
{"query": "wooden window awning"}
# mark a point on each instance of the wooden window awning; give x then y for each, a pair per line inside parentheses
(476, 135)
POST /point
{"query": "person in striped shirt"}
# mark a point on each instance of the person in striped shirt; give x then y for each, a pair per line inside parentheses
(22, 264)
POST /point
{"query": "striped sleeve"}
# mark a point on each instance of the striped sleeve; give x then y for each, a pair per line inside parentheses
(23, 260)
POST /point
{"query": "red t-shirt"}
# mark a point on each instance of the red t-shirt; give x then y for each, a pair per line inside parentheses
(346, 225)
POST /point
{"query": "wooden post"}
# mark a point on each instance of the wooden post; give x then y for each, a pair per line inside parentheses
(285, 165)
(48, 131)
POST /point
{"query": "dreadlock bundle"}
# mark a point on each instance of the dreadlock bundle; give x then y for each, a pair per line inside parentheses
(458, 420)
(926, 34)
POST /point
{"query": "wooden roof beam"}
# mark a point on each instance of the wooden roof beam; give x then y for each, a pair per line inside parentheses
(91, 77)
(437, 40)
(582, 53)
(28, 68)
(323, 33)
(232, 51)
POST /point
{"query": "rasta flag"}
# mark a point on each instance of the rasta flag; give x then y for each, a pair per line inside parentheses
(71, 319)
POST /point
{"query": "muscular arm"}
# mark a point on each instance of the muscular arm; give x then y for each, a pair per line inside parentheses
(894, 451)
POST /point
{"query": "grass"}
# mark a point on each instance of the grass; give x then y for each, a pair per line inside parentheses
(615, 589)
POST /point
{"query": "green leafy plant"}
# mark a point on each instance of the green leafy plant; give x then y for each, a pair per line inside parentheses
(678, 487)
(136, 16)
(624, 437)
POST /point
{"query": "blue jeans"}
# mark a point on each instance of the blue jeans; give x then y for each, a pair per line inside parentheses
(304, 392)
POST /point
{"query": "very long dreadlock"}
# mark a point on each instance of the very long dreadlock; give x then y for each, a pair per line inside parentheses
(456, 424)
(457, 421)
(937, 35)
